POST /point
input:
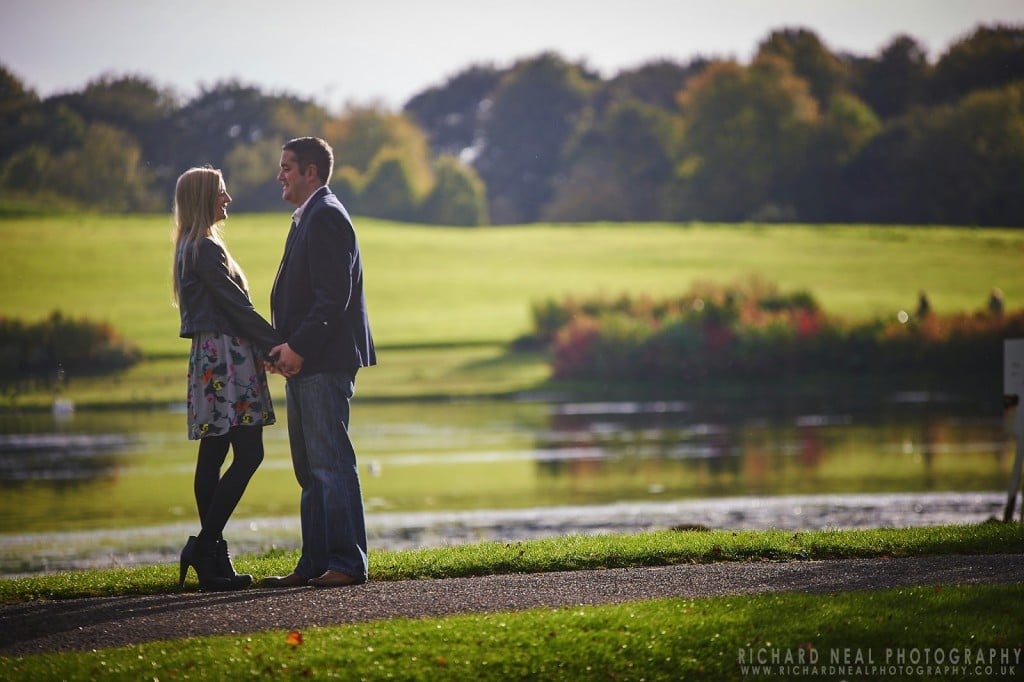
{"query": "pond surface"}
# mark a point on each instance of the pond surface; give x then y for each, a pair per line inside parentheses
(115, 488)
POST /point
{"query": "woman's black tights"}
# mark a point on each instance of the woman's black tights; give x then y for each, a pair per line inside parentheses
(216, 495)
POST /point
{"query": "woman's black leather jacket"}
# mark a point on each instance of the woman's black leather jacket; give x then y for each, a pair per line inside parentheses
(211, 300)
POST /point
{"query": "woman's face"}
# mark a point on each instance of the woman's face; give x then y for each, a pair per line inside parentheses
(220, 211)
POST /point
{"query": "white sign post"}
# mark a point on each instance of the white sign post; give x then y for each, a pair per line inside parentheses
(1013, 389)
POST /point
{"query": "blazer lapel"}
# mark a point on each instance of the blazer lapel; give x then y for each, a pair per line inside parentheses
(290, 242)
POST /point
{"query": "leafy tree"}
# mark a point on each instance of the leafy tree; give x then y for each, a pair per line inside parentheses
(250, 171)
(62, 130)
(897, 80)
(450, 114)
(747, 133)
(133, 104)
(990, 57)
(956, 164)
(21, 115)
(589, 191)
(844, 130)
(533, 113)
(25, 121)
(388, 192)
(347, 184)
(620, 169)
(367, 135)
(13, 95)
(656, 83)
(106, 171)
(458, 197)
(810, 60)
(880, 182)
(26, 170)
(213, 123)
(973, 156)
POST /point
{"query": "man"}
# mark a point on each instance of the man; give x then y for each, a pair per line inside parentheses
(317, 305)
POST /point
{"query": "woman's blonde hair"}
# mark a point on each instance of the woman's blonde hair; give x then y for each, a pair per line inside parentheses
(195, 206)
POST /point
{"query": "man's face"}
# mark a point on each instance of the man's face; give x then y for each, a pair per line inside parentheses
(295, 185)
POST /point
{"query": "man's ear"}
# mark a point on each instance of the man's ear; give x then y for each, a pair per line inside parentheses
(311, 174)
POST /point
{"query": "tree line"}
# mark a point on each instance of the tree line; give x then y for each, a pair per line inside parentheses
(800, 133)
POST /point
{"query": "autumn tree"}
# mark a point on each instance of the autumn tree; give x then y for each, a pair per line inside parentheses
(363, 136)
(458, 197)
(656, 84)
(810, 59)
(106, 172)
(747, 130)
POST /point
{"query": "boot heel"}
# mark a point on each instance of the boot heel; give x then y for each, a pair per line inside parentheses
(186, 560)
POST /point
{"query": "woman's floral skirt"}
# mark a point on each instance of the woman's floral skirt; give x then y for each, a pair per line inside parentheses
(227, 386)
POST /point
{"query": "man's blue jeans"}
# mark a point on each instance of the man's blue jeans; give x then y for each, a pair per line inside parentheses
(331, 505)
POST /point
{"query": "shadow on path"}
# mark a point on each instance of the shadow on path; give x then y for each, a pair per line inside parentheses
(84, 624)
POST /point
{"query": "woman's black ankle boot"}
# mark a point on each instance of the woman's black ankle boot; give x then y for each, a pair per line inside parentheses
(201, 555)
(226, 569)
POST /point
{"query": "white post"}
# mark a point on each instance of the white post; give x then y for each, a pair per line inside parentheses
(1013, 388)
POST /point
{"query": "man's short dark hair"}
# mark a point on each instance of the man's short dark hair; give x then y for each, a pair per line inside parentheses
(312, 150)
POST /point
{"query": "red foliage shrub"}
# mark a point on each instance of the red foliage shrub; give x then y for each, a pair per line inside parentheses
(751, 330)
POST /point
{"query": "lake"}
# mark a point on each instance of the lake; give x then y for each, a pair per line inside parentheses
(114, 488)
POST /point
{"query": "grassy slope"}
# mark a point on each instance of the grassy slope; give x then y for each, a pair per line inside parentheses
(445, 285)
(443, 301)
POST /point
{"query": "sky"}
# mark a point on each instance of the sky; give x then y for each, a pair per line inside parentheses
(340, 52)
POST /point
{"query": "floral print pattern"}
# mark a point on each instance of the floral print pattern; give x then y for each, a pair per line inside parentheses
(226, 386)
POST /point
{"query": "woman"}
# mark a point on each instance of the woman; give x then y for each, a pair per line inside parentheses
(228, 399)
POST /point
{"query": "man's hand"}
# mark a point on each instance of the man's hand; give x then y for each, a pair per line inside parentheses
(288, 363)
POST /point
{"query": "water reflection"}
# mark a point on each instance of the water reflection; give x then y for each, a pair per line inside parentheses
(672, 449)
(654, 442)
(59, 458)
(101, 472)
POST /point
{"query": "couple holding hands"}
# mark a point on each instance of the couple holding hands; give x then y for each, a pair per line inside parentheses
(318, 339)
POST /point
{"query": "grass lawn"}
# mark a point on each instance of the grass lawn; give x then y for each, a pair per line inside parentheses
(445, 302)
(859, 635)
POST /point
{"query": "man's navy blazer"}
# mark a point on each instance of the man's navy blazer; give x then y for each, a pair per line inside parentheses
(317, 303)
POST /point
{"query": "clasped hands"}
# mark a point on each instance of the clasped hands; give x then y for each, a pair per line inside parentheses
(284, 361)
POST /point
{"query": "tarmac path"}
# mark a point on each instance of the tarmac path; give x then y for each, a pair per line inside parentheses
(95, 623)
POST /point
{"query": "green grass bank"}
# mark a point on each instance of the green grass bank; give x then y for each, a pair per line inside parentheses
(446, 302)
(564, 554)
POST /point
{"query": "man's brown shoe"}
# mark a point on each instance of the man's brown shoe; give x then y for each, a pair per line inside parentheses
(293, 579)
(335, 579)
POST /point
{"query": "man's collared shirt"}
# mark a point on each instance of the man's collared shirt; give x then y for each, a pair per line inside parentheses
(297, 213)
